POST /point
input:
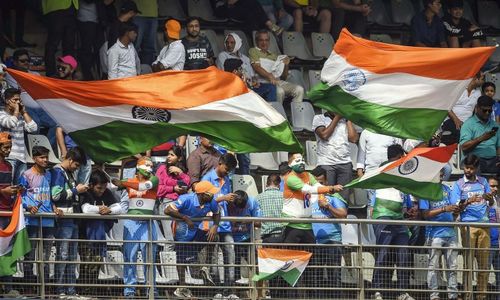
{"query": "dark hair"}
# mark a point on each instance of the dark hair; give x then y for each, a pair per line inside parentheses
(456, 3)
(39, 151)
(77, 154)
(291, 154)
(284, 168)
(229, 160)
(126, 27)
(259, 32)
(485, 101)
(492, 178)
(181, 157)
(241, 199)
(318, 171)
(18, 53)
(471, 160)
(98, 177)
(488, 84)
(191, 19)
(10, 92)
(394, 151)
(427, 2)
(273, 179)
(232, 64)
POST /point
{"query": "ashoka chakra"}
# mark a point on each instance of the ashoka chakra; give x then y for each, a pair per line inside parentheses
(151, 114)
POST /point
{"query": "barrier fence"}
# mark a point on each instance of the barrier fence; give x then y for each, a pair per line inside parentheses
(357, 268)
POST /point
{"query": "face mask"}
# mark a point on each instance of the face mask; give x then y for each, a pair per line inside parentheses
(298, 165)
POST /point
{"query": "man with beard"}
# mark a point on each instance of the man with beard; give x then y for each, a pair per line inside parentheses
(199, 53)
(66, 67)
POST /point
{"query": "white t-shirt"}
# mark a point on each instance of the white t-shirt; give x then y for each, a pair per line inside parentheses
(336, 149)
(465, 104)
(372, 149)
(172, 56)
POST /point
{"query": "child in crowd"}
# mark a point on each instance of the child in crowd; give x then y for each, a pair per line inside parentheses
(174, 181)
(489, 89)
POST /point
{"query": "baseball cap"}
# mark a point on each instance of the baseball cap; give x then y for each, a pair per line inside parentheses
(129, 5)
(68, 59)
(205, 187)
(5, 137)
(173, 29)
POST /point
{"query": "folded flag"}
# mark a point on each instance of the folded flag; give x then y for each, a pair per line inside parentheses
(112, 119)
(417, 173)
(395, 90)
(14, 241)
(289, 264)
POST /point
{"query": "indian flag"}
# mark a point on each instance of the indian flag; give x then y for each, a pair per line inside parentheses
(395, 90)
(14, 241)
(289, 264)
(113, 119)
(417, 173)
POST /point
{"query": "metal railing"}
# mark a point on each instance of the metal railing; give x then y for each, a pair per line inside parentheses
(335, 271)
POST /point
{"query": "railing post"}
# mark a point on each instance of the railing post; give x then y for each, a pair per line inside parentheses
(151, 270)
(361, 277)
(41, 266)
(253, 261)
(469, 264)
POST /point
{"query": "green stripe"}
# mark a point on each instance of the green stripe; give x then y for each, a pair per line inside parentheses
(413, 123)
(21, 245)
(116, 140)
(387, 208)
(291, 276)
(425, 190)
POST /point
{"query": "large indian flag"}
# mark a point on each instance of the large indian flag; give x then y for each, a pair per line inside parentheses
(417, 173)
(14, 241)
(289, 264)
(113, 119)
(395, 90)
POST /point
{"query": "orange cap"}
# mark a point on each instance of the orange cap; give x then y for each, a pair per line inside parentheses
(173, 29)
(205, 187)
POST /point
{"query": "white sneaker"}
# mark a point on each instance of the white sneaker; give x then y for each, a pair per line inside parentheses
(205, 274)
(63, 296)
(218, 296)
(378, 296)
(232, 296)
(183, 293)
(405, 296)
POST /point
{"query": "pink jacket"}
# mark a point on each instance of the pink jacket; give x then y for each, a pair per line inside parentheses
(168, 182)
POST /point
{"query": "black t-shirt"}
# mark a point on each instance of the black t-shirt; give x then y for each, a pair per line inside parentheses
(107, 198)
(197, 53)
(456, 30)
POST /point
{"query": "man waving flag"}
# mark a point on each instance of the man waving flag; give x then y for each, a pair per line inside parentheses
(395, 90)
(113, 119)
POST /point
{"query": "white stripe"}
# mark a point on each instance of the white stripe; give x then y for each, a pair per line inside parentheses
(427, 171)
(271, 265)
(400, 90)
(390, 194)
(247, 107)
(5, 246)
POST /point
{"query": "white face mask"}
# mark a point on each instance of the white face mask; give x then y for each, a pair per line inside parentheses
(298, 164)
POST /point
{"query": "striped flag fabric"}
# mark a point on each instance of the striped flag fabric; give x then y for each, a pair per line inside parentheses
(289, 264)
(112, 119)
(417, 173)
(395, 90)
(14, 241)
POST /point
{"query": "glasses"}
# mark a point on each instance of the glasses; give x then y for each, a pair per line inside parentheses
(25, 60)
(61, 68)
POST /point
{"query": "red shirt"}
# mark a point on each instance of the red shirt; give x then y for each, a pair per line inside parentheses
(6, 202)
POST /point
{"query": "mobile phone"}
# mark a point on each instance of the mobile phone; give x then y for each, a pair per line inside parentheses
(181, 183)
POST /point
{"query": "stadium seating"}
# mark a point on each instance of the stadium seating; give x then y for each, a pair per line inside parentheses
(379, 16)
(295, 77)
(171, 9)
(322, 44)
(245, 183)
(42, 140)
(295, 45)
(494, 41)
(191, 144)
(314, 77)
(203, 9)
(212, 38)
(311, 155)
(489, 14)
(279, 108)
(113, 267)
(169, 272)
(302, 116)
(402, 11)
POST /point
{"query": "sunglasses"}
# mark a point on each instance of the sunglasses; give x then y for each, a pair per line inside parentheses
(61, 68)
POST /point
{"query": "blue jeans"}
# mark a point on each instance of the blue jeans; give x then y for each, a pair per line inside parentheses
(66, 251)
(388, 235)
(48, 236)
(146, 38)
(243, 164)
(451, 263)
(330, 256)
(266, 91)
(495, 262)
(18, 168)
(83, 173)
(229, 256)
(137, 231)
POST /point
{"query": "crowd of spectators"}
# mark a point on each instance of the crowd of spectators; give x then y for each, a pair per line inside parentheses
(186, 188)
